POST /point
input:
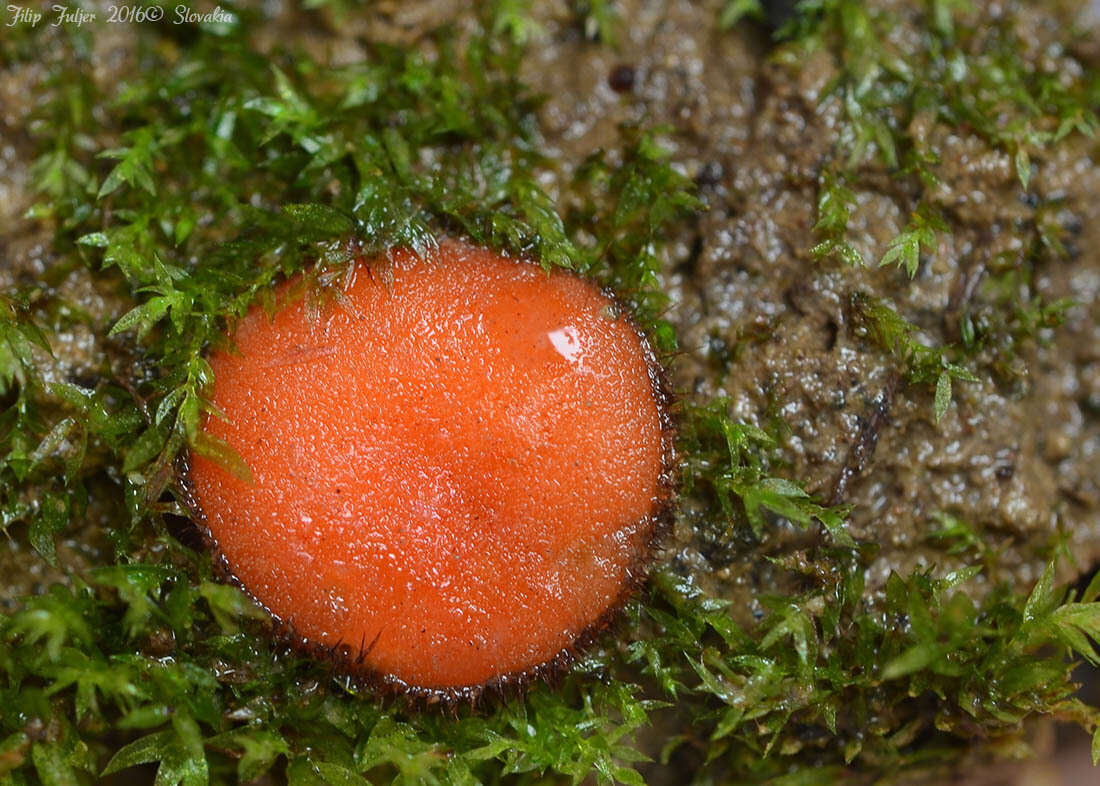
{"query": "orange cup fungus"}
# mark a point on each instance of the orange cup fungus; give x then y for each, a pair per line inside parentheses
(458, 467)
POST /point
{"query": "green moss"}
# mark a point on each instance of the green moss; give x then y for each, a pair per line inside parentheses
(960, 71)
(190, 191)
(921, 363)
(731, 464)
(733, 11)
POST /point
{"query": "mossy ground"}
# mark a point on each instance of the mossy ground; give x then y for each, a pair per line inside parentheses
(207, 169)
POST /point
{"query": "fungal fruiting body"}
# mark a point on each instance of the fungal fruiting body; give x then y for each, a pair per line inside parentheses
(457, 466)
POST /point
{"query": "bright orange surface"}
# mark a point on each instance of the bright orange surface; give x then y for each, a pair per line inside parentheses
(457, 466)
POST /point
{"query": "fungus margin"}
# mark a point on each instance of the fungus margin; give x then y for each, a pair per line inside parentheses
(350, 666)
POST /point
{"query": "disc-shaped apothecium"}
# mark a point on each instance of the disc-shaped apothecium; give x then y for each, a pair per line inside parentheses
(457, 466)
